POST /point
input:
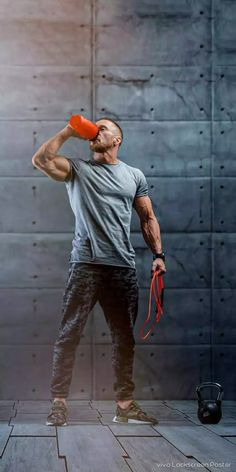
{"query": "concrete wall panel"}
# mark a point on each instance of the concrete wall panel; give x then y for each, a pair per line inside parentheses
(225, 94)
(224, 260)
(224, 148)
(37, 261)
(224, 205)
(151, 93)
(56, 9)
(224, 301)
(180, 149)
(29, 367)
(34, 316)
(35, 205)
(44, 42)
(44, 92)
(225, 33)
(150, 30)
(224, 373)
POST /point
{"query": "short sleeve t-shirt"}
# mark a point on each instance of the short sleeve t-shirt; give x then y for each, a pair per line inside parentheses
(101, 197)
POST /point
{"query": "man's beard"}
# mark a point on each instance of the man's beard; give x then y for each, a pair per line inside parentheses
(99, 147)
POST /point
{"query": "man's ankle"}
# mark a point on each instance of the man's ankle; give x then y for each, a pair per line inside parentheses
(124, 403)
(60, 399)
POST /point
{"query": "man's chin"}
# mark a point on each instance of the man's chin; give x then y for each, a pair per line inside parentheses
(97, 147)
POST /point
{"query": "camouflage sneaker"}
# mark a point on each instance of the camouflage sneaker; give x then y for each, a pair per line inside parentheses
(57, 416)
(133, 414)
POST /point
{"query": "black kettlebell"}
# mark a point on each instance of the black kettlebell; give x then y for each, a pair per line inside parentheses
(209, 411)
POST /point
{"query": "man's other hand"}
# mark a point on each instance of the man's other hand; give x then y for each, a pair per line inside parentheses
(158, 266)
(73, 132)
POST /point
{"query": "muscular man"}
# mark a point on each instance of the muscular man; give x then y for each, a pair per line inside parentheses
(101, 191)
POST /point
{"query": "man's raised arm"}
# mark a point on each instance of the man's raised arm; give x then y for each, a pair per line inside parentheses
(49, 162)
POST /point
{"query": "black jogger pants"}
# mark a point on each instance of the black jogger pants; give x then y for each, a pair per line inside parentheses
(116, 289)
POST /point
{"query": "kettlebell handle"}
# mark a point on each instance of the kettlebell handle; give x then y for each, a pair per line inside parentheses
(210, 384)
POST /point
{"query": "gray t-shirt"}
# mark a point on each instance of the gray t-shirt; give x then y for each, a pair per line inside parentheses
(101, 198)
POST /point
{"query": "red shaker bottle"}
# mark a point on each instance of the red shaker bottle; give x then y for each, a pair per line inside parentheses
(85, 128)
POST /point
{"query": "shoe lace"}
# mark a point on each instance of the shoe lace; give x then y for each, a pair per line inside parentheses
(58, 406)
(136, 407)
(140, 413)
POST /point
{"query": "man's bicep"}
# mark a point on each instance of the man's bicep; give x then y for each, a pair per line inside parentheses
(66, 168)
(75, 168)
(56, 167)
(70, 175)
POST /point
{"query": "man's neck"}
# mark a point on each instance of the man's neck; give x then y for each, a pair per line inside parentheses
(103, 159)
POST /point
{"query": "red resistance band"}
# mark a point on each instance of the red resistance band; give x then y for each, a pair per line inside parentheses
(159, 298)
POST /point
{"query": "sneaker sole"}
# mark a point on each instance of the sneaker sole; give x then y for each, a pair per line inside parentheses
(48, 423)
(129, 420)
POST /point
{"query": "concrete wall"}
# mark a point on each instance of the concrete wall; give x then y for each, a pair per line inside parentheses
(165, 70)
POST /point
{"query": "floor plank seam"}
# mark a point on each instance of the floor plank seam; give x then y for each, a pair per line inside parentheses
(61, 457)
(8, 439)
(126, 456)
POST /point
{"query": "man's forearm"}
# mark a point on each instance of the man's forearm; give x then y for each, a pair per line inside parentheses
(49, 149)
(151, 233)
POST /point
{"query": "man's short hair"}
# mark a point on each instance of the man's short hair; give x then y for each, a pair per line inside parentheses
(118, 126)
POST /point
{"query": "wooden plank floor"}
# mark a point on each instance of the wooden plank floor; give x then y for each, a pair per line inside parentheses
(93, 443)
